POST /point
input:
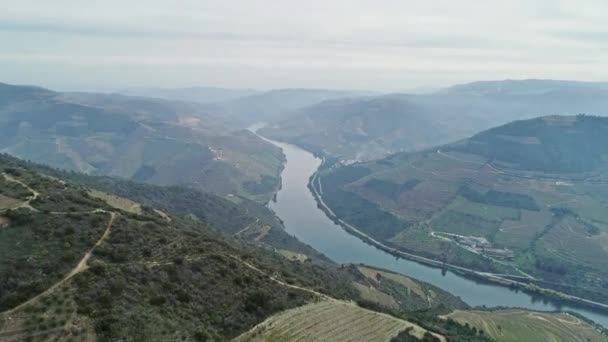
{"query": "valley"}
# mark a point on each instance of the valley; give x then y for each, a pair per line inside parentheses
(162, 142)
(307, 171)
(113, 267)
(503, 205)
(366, 128)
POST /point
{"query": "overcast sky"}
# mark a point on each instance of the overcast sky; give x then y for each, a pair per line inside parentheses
(387, 45)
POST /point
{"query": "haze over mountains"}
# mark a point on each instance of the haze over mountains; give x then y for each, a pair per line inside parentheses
(369, 128)
(157, 141)
(277, 104)
(159, 230)
(204, 145)
(191, 94)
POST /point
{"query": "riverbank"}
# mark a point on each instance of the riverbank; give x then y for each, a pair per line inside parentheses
(315, 187)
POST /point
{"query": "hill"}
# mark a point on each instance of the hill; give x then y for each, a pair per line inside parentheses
(549, 144)
(190, 94)
(370, 128)
(525, 199)
(87, 265)
(276, 104)
(150, 140)
(364, 128)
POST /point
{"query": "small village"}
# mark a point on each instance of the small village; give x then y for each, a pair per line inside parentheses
(477, 244)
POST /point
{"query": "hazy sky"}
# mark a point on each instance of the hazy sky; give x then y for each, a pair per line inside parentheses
(389, 45)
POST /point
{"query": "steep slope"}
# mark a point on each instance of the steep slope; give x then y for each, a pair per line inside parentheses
(549, 144)
(525, 199)
(350, 129)
(364, 128)
(87, 266)
(155, 141)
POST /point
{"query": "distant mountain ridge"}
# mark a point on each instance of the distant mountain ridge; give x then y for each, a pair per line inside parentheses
(421, 121)
(552, 144)
(164, 142)
(190, 94)
(277, 104)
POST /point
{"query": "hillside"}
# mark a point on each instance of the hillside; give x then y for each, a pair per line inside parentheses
(150, 140)
(115, 269)
(549, 144)
(364, 128)
(525, 199)
(512, 325)
(276, 104)
(370, 128)
(87, 265)
(190, 94)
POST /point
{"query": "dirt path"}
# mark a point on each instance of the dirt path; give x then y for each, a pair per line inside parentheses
(80, 267)
(257, 220)
(316, 293)
(27, 203)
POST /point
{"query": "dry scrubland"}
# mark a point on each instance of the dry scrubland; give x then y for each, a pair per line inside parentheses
(522, 326)
(330, 320)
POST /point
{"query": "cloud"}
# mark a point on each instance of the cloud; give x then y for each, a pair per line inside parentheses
(381, 44)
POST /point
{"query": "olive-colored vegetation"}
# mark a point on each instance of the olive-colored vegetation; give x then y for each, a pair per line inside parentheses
(239, 217)
(409, 294)
(535, 190)
(38, 249)
(549, 144)
(149, 140)
(79, 268)
(13, 190)
(354, 209)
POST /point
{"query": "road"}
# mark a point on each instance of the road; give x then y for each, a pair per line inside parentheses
(493, 277)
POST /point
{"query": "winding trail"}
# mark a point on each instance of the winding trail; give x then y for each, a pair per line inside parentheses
(35, 194)
(316, 293)
(80, 267)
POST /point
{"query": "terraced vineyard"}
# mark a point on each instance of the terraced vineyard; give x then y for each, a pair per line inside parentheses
(331, 320)
(393, 290)
(527, 199)
(518, 325)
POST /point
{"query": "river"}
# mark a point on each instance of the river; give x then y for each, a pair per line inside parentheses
(296, 206)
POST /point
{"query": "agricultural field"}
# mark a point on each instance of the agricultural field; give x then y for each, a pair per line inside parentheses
(330, 320)
(393, 290)
(117, 202)
(515, 325)
(371, 294)
(543, 214)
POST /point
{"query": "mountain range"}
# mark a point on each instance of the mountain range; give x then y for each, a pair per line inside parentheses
(151, 140)
(145, 219)
(369, 128)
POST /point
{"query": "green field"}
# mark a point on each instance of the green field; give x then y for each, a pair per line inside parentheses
(528, 326)
(330, 321)
(548, 211)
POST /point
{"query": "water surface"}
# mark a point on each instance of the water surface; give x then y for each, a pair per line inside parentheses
(296, 206)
